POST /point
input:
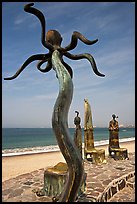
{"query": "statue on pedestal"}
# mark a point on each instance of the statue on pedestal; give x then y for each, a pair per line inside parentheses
(90, 152)
(113, 132)
(78, 133)
(114, 148)
(88, 127)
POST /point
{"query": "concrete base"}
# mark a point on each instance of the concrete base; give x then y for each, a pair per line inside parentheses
(55, 178)
(118, 153)
(95, 156)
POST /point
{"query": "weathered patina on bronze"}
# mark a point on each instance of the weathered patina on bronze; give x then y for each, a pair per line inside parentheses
(54, 58)
(114, 149)
(60, 127)
(78, 133)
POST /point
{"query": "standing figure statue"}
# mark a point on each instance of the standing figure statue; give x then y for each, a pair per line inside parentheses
(113, 132)
(54, 58)
(78, 133)
(114, 148)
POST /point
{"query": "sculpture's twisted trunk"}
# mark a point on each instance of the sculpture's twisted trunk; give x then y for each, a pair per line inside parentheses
(60, 127)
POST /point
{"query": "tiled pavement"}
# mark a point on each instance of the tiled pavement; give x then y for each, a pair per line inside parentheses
(23, 188)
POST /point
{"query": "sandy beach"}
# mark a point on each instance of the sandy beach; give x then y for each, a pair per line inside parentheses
(17, 165)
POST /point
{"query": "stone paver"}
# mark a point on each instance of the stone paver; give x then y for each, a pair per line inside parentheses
(100, 178)
(127, 194)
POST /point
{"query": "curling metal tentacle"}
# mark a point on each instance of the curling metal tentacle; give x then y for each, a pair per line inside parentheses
(28, 8)
(87, 56)
(74, 40)
(27, 62)
(48, 66)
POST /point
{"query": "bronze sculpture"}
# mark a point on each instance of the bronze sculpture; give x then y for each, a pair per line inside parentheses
(78, 133)
(90, 152)
(88, 128)
(113, 130)
(114, 149)
(54, 58)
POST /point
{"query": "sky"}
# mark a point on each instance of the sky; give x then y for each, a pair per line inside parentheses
(28, 100)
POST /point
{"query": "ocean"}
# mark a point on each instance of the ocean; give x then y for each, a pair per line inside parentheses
(19, 141)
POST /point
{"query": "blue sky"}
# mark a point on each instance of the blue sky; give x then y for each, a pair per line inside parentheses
(28, 100)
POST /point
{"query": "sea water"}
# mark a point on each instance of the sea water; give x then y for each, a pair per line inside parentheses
(18, 141)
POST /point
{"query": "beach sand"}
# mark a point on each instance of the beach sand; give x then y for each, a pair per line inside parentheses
(13, 166)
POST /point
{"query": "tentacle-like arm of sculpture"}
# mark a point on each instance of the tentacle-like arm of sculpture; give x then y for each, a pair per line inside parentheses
(74, 40)
(28, 8)
(48, 66)
(27, 62)
(88, 57)
(60, 127)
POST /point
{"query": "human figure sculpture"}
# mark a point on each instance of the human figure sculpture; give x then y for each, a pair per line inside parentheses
(114, 132)
(114, 148)
(78, 133)
(54, 58)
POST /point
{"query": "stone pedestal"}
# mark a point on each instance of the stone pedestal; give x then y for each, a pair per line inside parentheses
(90, 152)
(95, 156)
(114, 148)
(118, 153)
(55, 178)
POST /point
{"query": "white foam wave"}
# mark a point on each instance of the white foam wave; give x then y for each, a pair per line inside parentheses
(105, 142)
(33, 150)
(51, 148)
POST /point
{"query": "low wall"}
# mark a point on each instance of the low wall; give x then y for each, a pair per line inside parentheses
(115, 186)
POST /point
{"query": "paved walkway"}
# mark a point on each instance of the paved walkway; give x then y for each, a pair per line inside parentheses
(113, 182)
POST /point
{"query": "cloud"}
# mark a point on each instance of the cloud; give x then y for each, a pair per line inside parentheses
(43, 97)
(116, 58)
(21, 19)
